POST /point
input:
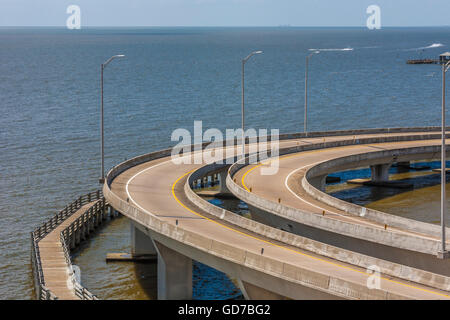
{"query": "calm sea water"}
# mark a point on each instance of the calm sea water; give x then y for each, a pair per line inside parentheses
(49, 104)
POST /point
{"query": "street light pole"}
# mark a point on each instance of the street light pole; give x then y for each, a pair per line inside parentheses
(243, 99)
(103, 66)
(443, 253)
(306, 90)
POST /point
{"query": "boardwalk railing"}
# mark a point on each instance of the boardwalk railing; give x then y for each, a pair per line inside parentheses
(80, 291)
(58, 218)
(81, 226)
(42, 292)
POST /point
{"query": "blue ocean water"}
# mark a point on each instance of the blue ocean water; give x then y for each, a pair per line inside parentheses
(50, 96)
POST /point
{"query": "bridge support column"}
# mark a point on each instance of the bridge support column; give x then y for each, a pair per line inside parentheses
(174, 274)
(380, 172)
(141, 244)
(223, 183)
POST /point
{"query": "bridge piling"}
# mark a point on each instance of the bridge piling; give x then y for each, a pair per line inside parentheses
(174, 274)
(380, 172)
(222, 183)
(141, 244)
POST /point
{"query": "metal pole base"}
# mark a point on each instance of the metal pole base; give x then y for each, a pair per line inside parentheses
(101, 180)
(443, 255)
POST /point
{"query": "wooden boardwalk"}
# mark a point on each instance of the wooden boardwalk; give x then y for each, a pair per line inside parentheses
(52, 241)
(54, 266)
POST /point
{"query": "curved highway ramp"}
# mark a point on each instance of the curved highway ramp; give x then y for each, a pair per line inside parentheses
(268, 263)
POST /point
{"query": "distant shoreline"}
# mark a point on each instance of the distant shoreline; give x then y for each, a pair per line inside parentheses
(223, 27)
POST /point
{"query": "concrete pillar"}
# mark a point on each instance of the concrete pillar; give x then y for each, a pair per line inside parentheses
(174, 274)
(223, 189)
(380, 172)
(141, 244)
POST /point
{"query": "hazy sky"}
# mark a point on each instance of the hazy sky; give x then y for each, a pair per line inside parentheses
(224, 12)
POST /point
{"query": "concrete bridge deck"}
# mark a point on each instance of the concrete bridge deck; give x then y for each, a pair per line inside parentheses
(272, 197)
(286, 185)
(152, 194)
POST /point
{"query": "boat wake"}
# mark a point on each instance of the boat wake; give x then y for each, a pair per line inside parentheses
(343, 49)
(434, 45)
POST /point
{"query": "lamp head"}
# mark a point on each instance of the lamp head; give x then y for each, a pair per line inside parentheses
(112, 58)
(250, 55)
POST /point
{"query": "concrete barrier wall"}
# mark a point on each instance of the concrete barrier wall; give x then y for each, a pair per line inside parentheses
(354, 258)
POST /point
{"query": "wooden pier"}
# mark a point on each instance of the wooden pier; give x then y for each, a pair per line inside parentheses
(51, 243)
(127, 257)
(423, 61)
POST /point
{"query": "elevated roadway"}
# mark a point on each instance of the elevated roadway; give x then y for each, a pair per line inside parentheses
(151, 191)
(292, 200)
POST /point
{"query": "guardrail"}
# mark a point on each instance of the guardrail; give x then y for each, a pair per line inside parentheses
(81, 227)
(57, 219)
(92, 215)
(42, 292)
(80, 291)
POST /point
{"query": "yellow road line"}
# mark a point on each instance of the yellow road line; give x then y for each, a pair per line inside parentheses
(286, 248)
